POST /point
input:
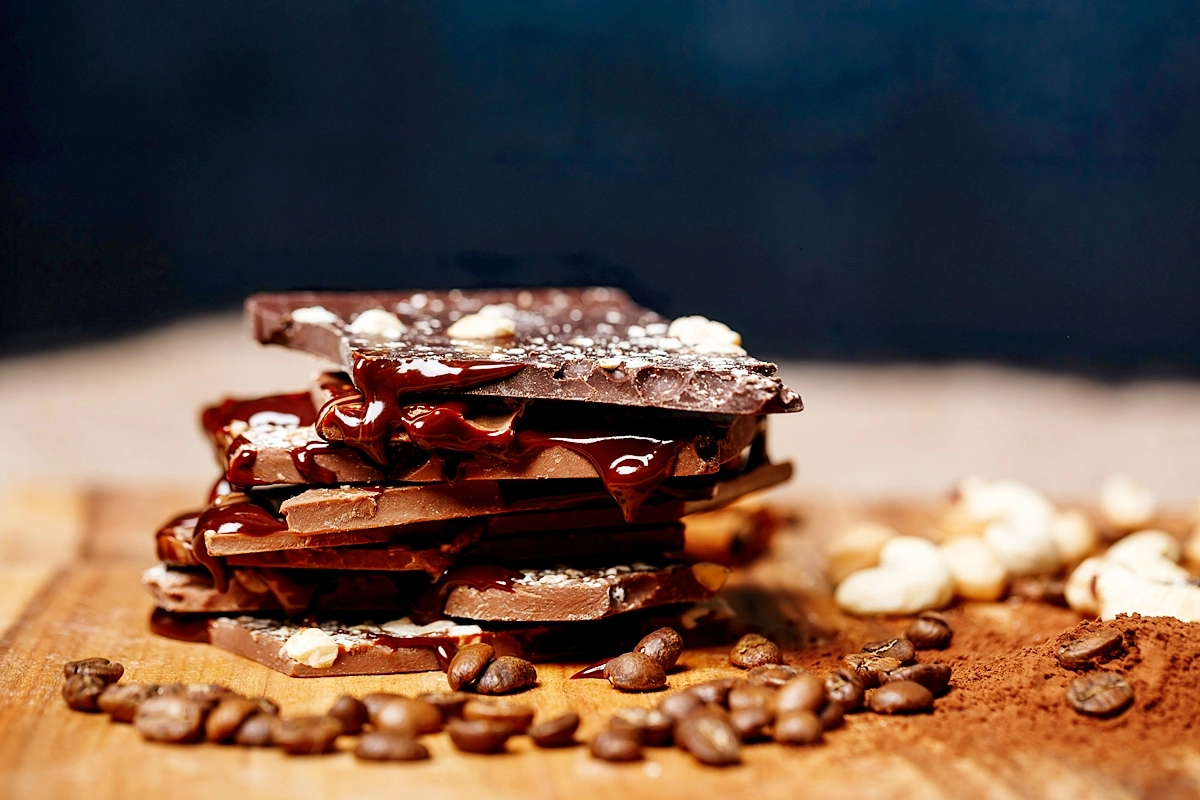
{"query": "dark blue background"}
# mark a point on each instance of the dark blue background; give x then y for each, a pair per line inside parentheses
(1007, 180)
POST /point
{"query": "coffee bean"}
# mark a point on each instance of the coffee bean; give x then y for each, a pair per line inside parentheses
(714, 691)
(753, 650)
(174, 718)
(507, 674)
(773, 675)
(449, 703)
(376, 699)
(871, 669)
(651, 727)
(929, 631)
(751, 723)
(208, 693)
(805, 693)
(228, 715)
(611, 745)
(478, 735)
(556, 732)
(1080, 652)
(635, 672)
(933, 676)
(798, 727)
(844, 687)
(351, 712)
(389, 746)
(81, 691)
(1100, 694)
(121, 700)
(710, 737)
(408, 716)
(102, 668)
(1039, 589)
(257, 731)
(307, 736)
(664, 645)
(468, 664)
(747, 695)
(832, 716)
(265, 705)
(514, 716)
(901, 697)
(679, 705)
(900, 649)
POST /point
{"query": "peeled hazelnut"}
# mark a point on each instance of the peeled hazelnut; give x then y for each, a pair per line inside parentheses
(483, 326)
(1127, 504)
(312, 647)
(377, 322)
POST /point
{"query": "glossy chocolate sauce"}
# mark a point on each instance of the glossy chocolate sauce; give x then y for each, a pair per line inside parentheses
(592, 671)
(305, 463)
(236, 513)
(281, 409)
(481, 577)
(444, 426)
(443, 650)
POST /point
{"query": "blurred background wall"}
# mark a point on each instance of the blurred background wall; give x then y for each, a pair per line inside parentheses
(1014, 181)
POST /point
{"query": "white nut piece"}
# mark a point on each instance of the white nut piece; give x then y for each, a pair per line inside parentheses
(1074, 535)
(1127, 504)
(705, 335)
(977, 573)
(314, 315)
(1191, 548)
(1138, 575)
(313, 647)
(483, 326)
(1019, 524)
(1121, 590)
(1151, 554)
(856, 548)
(377, 322)
(1080, 589)
(911, 577)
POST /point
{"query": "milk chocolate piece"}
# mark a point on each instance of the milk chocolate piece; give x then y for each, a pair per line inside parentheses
(592, 344)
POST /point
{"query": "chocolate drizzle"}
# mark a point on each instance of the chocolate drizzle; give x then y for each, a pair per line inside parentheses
(304, 459)
(235, 513)
(592, 670)
(280, 409)
(481, 577)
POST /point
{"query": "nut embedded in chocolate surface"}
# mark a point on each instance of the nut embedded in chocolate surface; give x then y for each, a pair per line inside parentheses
(710, 737)
(389, 746)
(933, 676)
(635, 672)
(651, 727)
(516, 717)
(351, 712)
(228, 715)
(468, 664)
(844, 687)
(900, 649)
(507, 674)
(773, 675)
(1082, 651)
(616, 745)
(1100, 694)
(556, 732)
(798, 727)
(478, 735)
(753, 650)
(102, 668)
(121, 700)
(664, 645)
(871, 669)
(171, 718)
(81, 691)
(929, 631)
(307, 736)
(901, 697)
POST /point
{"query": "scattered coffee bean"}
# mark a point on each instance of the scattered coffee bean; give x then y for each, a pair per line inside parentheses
(121, 700)
(257, 731)
(832, 716)
(468, 664)
(773, 675)
(351, 712)
(478, 735)
(228, 715)
(635, 672)
(747, 695)
(934, 677)
(82, 690)
(102, 668)
(651, 727)
(664, 645)
(1080, 652)
(929, 631)
(556, 732)
(507, 674)
(208, 693)
(753, 651)
(1039, 589)
(611, 745)
(265, 705)
(844, 687)
(679, 705)
(751, 724)
(1100, 694)
(516, 717)
(710, 737)
(307, 736)
(375, 699)
(389, 746)
(901, 697)
(804, 693)
(871, 669)
(174, 718)
(449, 703)
(900, 649)
(714, 691)
(798, 727)
(408, 716)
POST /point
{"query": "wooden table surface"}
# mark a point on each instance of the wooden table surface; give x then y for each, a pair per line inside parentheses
(92, 603)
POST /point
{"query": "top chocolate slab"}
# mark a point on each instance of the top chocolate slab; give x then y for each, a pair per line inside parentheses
(592, 344)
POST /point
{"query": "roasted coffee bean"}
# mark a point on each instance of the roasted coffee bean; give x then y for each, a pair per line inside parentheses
(664, 645)
(804, 693)
(900, 649)
(1100, 694)
(556, 732)
(389, 746)
(710, 737)
(1080, 652)
(257, 731)
(174, 718)
(844, 687)
(832, 716)
(102, 668)
(713, 691)
(505, 675)
(375, 699)
(753, 651)
(265, 704)
(635, 672)
(747, 695)
(611, 745)
(121, 700)
(514, 716)
(405, 715)
(651, 727)
(1039, 589)
(228, 715)
(307, 736)
(449, 703)
(773, 675)
(929, 631)
(798, 727)
(934, 677)
(751, 724)
(468, 664)
(478, 735)
(871, 669)
(81, 691)
(901, 697)
(209, 693)
(351, 712)
(679, 705)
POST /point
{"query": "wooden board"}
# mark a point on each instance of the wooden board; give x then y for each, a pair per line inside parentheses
(94, 605)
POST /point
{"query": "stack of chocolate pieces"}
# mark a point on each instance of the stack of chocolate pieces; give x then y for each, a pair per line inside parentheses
(505, 466)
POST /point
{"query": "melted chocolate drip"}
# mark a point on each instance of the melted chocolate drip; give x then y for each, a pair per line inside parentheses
(237, 513)
(443, 650)
(481, 577)
(306, 464)
(281, 409)
(592, 671)
(183, 627)
(444, 426)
